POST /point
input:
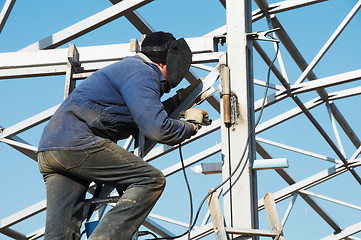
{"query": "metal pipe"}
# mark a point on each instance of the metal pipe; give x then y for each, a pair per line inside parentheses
(226, 95)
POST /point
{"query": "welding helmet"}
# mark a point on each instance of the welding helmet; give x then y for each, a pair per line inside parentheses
(162, 47)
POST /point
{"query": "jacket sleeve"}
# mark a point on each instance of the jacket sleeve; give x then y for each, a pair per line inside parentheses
(169, 106)
(141, 92)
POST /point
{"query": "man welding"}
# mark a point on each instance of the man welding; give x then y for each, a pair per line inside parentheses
(79, 144)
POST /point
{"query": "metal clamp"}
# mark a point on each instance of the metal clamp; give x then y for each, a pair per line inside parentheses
(262, 35)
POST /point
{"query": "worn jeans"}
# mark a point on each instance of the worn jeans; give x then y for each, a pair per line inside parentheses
(67, 175)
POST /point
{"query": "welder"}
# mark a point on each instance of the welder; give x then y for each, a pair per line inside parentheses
(79, 144)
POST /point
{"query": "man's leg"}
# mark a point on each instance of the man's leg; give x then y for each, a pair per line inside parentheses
(108, 163)
(141, 182)
(65, 198)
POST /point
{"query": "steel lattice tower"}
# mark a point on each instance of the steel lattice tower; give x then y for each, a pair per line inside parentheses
(310, 120)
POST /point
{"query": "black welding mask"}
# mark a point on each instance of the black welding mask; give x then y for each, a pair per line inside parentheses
(179, 59)
(162, 47)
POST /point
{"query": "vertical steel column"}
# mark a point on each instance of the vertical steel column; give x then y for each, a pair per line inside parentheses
(240, 193)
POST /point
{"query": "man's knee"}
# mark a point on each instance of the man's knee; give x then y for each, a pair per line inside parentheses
(158, 179)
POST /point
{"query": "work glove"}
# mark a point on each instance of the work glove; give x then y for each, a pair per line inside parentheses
(198, 117)
(184, 92)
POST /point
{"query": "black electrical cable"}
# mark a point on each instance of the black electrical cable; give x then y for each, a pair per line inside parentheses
(189, 191)
(239, 163)
(143, 233)
(190, 198)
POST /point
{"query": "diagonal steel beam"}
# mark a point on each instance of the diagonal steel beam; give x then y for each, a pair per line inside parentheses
(21, 146)
(22, 215)
(13, 234)
(28, 123)
(5, 12)
(28, 151)
(89, 24)
(135, 19)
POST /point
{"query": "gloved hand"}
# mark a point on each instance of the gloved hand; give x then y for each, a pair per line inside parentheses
(184, 92)
(195, 115)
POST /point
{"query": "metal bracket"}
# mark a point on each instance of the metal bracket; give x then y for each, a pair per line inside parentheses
(262, 35)
(73, 66)
(219, 39)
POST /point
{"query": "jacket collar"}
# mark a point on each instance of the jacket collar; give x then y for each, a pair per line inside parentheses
(143, 57)
(147, 60)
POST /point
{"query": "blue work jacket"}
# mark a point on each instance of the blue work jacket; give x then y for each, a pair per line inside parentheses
(114, 103)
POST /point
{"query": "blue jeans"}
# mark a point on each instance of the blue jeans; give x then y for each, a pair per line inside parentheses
(67, 175)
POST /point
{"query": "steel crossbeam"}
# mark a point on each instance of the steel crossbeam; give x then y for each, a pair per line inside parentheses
(53, 62)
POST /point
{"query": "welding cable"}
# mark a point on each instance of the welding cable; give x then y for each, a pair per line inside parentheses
(240, 161)
(189, 191)
(144, 233)
(190, 199)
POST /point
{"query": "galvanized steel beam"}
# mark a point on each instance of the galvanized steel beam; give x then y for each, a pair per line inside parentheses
(240, 192)
(54, 61)
(89, 24)
(5, 12)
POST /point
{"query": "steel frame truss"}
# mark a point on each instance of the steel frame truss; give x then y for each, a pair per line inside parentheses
(35, 61)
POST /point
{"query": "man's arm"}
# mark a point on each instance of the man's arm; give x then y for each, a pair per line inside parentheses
(141, 94)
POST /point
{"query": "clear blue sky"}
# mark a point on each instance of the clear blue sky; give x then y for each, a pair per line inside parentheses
(309, 27)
